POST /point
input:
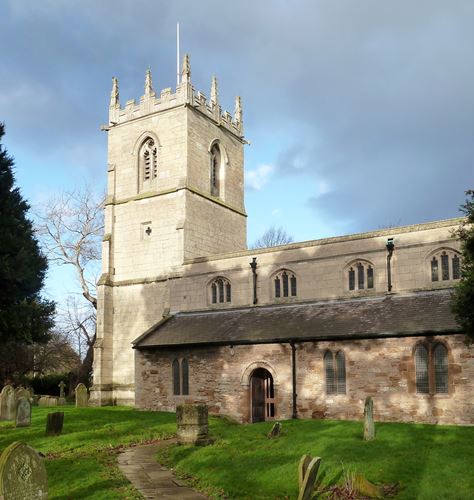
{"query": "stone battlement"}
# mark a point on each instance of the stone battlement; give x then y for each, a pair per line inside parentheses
(184, 95)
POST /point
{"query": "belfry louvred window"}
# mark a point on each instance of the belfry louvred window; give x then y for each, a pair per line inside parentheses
(335, 370)
(445, 265)
(431, 369)
(361, 276)
(215, 170)
(149, 159)
(285, 284)
(221, 291)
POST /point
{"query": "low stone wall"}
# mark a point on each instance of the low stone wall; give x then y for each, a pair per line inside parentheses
(382, 368)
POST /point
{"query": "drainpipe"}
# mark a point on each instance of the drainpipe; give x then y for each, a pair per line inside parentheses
(293, 369)
(390, 247)
(253, 265)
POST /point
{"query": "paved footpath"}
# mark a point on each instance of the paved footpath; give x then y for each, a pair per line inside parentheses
(151, 479)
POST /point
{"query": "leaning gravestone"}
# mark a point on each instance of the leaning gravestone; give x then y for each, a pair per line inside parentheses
(22, 474)
(193, 424)
(369, 429)
(54, 423)
(82, 399)
(275, 431)
(7, 403)
(307, 473)
(23, 413)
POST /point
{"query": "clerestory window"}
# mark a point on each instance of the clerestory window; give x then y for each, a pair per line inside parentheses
(221, 291)
(285, 284)
(445, 265)
(360, 276)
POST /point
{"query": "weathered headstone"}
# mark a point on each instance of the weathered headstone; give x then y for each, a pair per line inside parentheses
(22, 474)
(48, 401)
(307, 473)
(369, 428)
(54, 423)
(193, 424)
(62, 395)
(7, 403)
(21, 392)
(23, 413)
(35, 399)
(82, 399)
(275, 431)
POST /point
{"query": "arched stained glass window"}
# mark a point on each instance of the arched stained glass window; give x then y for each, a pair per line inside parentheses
(365, 276)
(448, 262)
(340, 373)
(285, 284)
(421, 370)
(440, 358)
(185, 376)
(176, 378)
(329, 369)
(221, 291)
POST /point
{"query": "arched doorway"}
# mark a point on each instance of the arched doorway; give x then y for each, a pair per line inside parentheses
(262, 395)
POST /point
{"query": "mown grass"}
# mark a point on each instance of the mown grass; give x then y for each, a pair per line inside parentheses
(429, 462)
(81, 463)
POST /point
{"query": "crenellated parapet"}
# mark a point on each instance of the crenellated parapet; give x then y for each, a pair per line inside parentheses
(184, 95)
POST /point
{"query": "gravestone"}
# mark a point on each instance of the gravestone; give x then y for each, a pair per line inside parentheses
(193, 424)
(35, 399)
(7, 403)
(62, 395)
(23, 413)
(22, 474)
(369, 428)
(48, 401)
(275, 431)
(54, 423)
(21, 392)
(307, 473)
(82, 399)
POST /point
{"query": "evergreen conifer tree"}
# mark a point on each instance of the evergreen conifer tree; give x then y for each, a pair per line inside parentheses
(25, 317)
(463, 298)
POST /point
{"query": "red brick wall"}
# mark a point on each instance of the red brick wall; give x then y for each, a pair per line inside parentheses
(381, 368)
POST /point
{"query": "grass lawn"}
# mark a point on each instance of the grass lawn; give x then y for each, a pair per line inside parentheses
(81, 463)
(429, 462)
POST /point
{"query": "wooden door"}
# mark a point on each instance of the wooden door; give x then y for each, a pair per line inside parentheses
(258, 398)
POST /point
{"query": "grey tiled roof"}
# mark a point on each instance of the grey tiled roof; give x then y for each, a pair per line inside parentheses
(383, 316)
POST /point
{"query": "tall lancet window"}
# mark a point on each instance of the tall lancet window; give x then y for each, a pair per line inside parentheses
(148, 160)
(215, 170)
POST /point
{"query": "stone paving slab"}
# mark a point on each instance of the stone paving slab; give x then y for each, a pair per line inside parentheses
(151, 479)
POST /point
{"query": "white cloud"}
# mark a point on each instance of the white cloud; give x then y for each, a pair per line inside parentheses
(256, 179)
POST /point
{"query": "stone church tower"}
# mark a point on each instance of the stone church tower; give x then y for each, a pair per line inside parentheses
(174, 193)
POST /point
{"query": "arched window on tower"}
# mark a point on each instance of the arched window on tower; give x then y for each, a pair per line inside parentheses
(285, 284)
(220, 291)
(149, 158)
(215, 173)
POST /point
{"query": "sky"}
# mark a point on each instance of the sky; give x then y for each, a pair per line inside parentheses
(359, 114)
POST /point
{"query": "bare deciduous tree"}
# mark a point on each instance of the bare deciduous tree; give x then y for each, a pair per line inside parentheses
(70, 228)
(273, 237)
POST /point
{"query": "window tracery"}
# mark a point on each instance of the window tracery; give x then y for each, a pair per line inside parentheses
(221, 291)
(431, 369)
(285, 284)
(361, 276)
(335, 370)
(445, 265)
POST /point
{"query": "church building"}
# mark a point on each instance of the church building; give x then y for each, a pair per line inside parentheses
(187, 313)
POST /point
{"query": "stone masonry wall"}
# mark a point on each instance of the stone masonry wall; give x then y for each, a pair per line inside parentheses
(382, 368)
